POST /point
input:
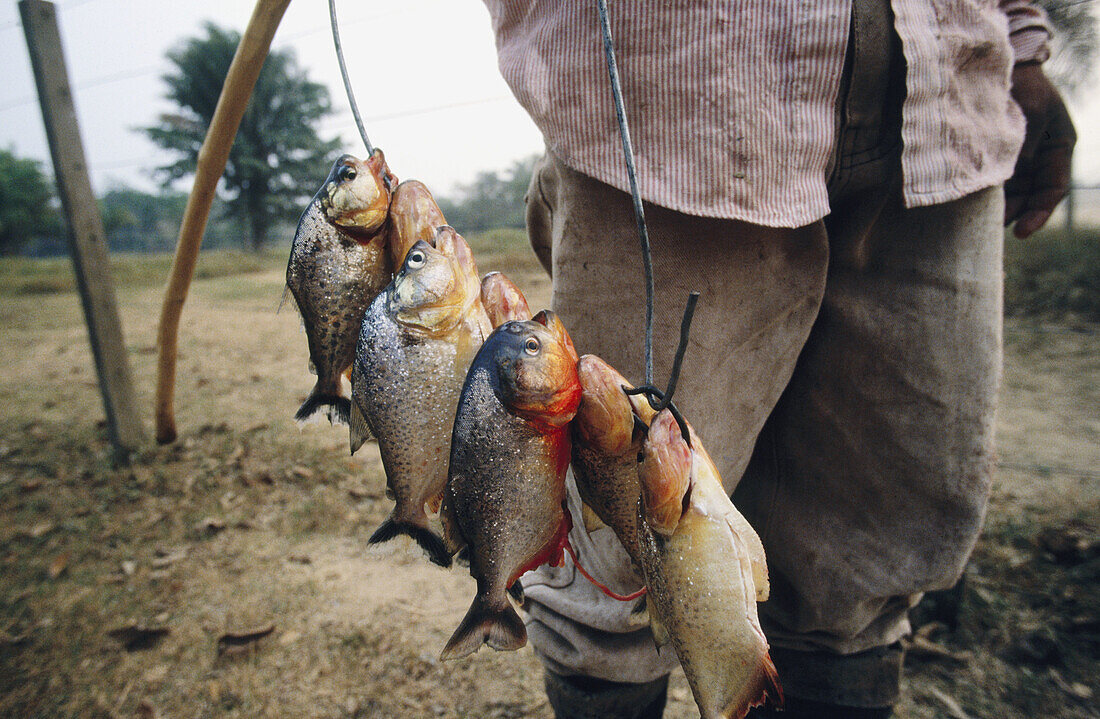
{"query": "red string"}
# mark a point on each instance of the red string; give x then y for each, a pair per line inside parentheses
(603, 588)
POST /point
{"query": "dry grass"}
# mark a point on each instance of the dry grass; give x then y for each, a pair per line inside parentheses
(247, 522)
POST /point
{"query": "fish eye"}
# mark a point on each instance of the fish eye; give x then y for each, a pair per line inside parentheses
(346, 173)
(415, 259)
(531, 346)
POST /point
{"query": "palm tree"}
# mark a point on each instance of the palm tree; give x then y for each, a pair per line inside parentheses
(277, 159)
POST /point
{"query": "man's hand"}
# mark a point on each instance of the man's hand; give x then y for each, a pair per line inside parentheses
(1042, 173)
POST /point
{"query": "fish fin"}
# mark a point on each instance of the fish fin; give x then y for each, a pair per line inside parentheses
(337, 408)
(750, 543)
(592, 521)
(660, 634)
(639, 614)
(434, 505)
(358, 428)
(516, 592)
(772, 688)
(428, 541)
(764, 687)
(498, 626)
(288, 296)
(452, 534)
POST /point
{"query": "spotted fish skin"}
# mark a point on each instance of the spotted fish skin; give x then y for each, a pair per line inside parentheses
(506, 489)
(607, 439)
(417, 340)
(700, 576)
(338, 264)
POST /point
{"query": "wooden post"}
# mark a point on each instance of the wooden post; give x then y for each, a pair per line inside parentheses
(87, 239)
(242, 76)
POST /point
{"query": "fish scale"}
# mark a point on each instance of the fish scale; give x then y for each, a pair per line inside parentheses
(417, 340)
(505, 493)
(333, 275)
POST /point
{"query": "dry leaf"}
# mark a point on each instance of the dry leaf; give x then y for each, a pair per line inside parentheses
(29, 485)
(360, 493)
(919, 646)
(209, 527)
(41, 529)
(58, 565)
(289, 638)
(146, 710)
(9, 640)
(301, 472)
(952, 706)
(128, 567)
(1076, 689)
(156, 673)
(136, 636)
(234, 641)
(167, 558)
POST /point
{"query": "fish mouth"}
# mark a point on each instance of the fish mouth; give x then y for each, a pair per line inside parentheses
(352, 211)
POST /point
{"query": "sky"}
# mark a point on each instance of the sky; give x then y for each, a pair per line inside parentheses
(423, 71)
(424, 74)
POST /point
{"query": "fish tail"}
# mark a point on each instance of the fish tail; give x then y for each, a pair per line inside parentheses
(763, 687)
(338, 408)
(496, 624)
(428, 541)
(772, 688)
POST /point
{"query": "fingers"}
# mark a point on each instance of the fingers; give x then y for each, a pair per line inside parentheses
(1049, 173)
(1042, 176)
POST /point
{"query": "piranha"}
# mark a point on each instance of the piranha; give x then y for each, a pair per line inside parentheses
(414, 216)
(417, 340)
(608, 432)
(704, 569)
(503, 300)
(505, 494)
(338, 264)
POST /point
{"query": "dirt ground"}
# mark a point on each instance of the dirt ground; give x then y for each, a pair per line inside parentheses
(228, 575)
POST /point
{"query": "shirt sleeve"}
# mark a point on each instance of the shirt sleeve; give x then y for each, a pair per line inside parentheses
(1028, 30)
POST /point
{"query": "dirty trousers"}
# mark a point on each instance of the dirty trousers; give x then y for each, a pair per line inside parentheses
(842, 375)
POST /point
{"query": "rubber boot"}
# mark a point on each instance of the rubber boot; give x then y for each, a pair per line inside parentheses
(795, 708)
(581, 697)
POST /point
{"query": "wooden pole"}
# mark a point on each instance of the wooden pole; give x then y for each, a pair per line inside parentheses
(243, 72)
(87, 239)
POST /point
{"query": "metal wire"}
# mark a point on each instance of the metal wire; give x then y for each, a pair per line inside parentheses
(344, 75)
(639, 213)
(658, 400)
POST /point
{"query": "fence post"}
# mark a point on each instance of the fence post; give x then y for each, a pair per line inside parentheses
(87, 240)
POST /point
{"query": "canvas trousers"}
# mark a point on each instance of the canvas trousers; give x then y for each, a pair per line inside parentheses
(842, 375)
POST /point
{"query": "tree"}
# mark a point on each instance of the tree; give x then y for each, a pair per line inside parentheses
(1074, 45)
(491, 201)
(27, 206)
(136, 221)
(278, 160)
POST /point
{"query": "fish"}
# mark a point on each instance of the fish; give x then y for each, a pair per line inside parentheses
(503, 300)
(338, 265)
(414, 216)
(608, 433)
(701, 561)
(505, 494)
(417, 340)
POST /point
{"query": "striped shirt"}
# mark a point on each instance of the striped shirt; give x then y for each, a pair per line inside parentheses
(732, 105)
